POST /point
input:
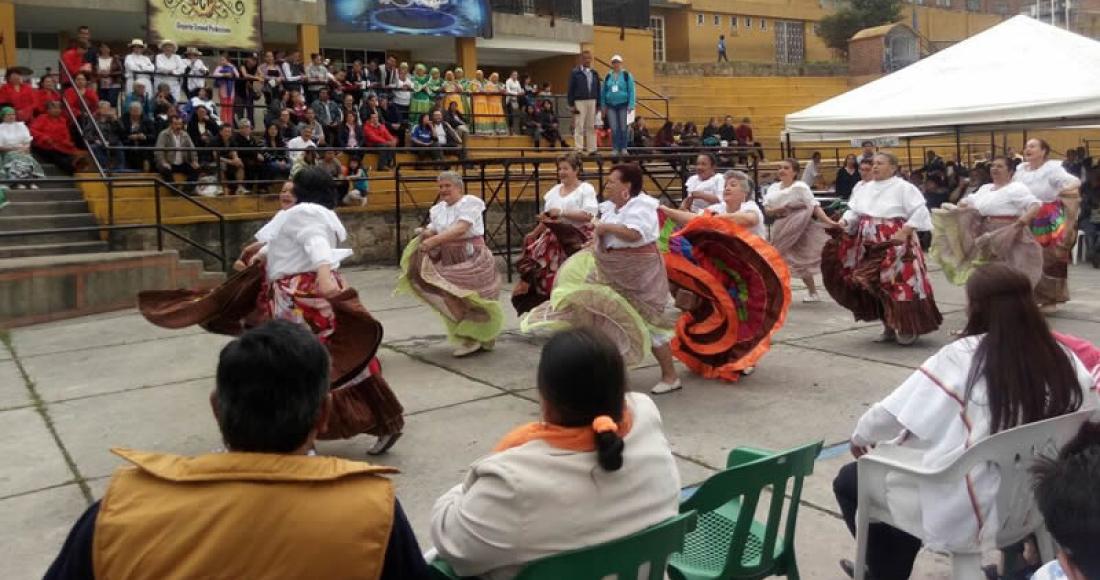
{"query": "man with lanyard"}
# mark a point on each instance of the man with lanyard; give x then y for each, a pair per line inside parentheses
(584, 100)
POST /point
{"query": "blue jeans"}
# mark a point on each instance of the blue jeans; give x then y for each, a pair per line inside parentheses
(616, 121)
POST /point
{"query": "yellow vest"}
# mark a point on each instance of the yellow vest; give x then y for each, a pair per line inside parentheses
(243, 516)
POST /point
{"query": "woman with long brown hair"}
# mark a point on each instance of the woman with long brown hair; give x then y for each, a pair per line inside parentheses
(975, 387)
(1055, 227)
(565, 225)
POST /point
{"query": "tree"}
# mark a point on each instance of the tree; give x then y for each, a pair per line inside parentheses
(855, 15)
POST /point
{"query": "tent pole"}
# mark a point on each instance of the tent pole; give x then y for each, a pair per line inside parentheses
(909, 152)
(992, 144)
(790, 151)
(958, 146)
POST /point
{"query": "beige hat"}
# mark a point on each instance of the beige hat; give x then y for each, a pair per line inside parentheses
(165, 43)
(192, 50)
(616, 58)
(137, 42)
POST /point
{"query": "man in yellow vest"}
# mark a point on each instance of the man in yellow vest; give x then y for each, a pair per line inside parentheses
(268, 507)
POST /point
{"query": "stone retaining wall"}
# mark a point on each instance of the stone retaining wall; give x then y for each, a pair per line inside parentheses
(751, 69)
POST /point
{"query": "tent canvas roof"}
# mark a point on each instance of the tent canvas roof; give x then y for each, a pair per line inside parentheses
(1019, 73)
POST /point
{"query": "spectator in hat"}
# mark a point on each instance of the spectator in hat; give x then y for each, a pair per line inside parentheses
(196, 72)
(618, 103)
(138, 67)
(169, 68)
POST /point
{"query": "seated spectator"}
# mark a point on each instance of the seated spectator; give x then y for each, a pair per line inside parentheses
(327, 113)
(307, 158)
(195, 517)
(358, 183)
(332, 165)
(349, 107)
(298, 144)
(664, 138)
(276, 161)
(182, 158)
(230, 165)
(444, 135)
(711, 137)
(613, 470)
(248, 152)
(349, 135)
(317, 130)
(1065, 492)
(53, 142)
(203, 98)
(971, 389)
(690, 135)
(454, 118)
(17, 94)
(164, 95)
(203, 130)
(745, 139)
(546, 125)
(137, 131)
(639, 134)
(297, 106)
(391, 116)
(47, 92)
(376, 135)
(728, 132)
(162, 114)
(103, 133)
(16, 161)
(287, 129)
(142, 99)
(73, 96)
(422, 138)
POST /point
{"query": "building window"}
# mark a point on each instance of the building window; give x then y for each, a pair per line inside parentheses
(974, 5)
(763, 24)
(657, 25)
(1001, 7)
(817, 29)
(944, 3)
(699, 19)
(748, 23)
(733, 22)
(718, 20)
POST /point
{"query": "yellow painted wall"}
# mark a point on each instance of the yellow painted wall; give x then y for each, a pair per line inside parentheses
(939, 25)
(636, 48)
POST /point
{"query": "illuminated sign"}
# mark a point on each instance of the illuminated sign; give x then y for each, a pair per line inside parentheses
(465, 18)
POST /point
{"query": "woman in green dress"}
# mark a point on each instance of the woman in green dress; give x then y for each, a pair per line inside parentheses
(422, 97)
(435, 86)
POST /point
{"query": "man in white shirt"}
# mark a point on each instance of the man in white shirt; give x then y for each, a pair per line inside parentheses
(299, 144)
(514, 89)
(813, 169)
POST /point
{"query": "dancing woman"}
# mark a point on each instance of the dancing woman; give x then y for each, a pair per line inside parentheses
(620, 286)
(291, 273)
(874, 265)
(733, 287)
(990, 225)
(565, 225)
(794, 233)
(1056, 225)
(450, 268)
(704, 189)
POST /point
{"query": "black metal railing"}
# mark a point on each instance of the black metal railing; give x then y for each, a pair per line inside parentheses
(567, 9)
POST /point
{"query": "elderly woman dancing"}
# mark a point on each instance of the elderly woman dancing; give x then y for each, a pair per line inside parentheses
(795, 234)
(1055, 227)
(565, 225)
(990, 225)
(290, 273)
(732, 285)
(620, 286)
(450, 268)
(874, 265)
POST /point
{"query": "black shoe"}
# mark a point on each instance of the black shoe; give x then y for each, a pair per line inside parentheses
(383, 444)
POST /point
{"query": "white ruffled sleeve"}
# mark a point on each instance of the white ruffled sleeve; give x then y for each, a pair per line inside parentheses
(805, 194)
(1060, 179)
(470, 209)
(919, 218)
(589, 204)
(272, 228)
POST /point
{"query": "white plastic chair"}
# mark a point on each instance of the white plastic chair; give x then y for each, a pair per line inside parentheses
(1012, 451)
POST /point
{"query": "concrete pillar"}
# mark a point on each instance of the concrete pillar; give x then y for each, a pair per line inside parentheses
(7, 34)
(586, 12)
(309, 40)
(466, 55)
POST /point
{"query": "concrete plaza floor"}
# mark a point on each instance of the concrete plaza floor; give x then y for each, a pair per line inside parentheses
(71, 390)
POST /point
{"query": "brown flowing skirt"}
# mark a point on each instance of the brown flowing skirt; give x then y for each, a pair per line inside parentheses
(545, 249)
(362, 400)
(459, 280)
(799, 240)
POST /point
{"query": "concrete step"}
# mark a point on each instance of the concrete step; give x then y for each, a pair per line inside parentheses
(43, 222)
(32, 250)
(43, 208)
(52, 194)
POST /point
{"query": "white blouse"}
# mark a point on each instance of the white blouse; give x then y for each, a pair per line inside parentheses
(889, 199)
(583, 198)
(301, 239)
(15, 135)
(172, 66)
(468, 209)
(136, 64)
(1047, 181)
(714, 186)
(1012, 200)
(747, 206)
(778, 196)
(928, 422)
(638, 214)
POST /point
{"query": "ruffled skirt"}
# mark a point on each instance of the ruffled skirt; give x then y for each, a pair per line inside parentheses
(799, 239)
(544, 251)
(963, 240)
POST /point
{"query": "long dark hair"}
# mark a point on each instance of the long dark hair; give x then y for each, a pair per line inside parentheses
(1018, 355)
(582, 376)
(314, 185)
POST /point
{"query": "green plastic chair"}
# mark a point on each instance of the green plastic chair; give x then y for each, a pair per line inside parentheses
(724, 544)
(622, 557)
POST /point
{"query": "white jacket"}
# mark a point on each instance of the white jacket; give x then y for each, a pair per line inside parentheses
(534, 500)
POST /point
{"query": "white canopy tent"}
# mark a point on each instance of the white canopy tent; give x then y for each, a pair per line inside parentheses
(1017, 75)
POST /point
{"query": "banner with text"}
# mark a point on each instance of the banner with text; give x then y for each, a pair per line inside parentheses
(208, 23)
(464, 18)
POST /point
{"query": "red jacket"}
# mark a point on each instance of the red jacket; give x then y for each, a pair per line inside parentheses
(378, 135)
(90, 97)
(744, 134)
(22, 100)
(73, 59)
(43, 97)
(52, 133)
